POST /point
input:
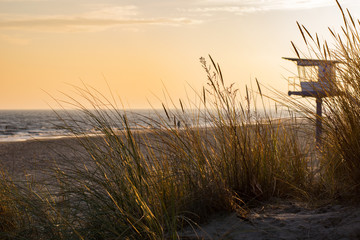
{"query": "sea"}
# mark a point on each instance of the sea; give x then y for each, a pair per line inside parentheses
(22, 125)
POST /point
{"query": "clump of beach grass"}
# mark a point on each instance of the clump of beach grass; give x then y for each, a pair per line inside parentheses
(23, 212)
(7, 213)
(220, 154)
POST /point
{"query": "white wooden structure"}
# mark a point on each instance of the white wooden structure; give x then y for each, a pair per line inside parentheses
(317, 79)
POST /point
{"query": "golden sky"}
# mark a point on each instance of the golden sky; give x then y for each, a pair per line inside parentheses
(141, 46)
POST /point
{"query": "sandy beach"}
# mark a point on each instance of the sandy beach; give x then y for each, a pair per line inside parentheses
(24, 158)
(277, 219)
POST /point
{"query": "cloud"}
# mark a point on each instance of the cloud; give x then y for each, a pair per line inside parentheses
(105, 11)
(216, 9)
(251, 6)
(97, 20)
(67, 24)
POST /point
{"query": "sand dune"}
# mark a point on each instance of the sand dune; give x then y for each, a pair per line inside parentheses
(285, 220)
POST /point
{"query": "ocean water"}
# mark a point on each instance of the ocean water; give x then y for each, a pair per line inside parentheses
(18, 125)
(22, 125)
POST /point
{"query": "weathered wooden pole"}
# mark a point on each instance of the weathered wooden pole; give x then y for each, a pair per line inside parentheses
(318, 121)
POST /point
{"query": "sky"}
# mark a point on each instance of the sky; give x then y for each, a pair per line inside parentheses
(142, 48)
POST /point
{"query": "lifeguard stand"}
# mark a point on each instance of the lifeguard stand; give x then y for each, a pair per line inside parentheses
(317, 79)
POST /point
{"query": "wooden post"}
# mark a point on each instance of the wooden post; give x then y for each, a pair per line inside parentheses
(318, 121)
